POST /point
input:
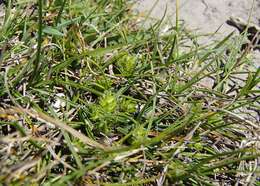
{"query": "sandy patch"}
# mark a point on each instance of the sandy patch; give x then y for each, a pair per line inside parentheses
(204, 15)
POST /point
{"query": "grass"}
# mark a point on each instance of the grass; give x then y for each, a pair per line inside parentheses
(88, 97)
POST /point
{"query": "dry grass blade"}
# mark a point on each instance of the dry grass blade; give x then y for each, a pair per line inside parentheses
(47, 119)
(255, 126)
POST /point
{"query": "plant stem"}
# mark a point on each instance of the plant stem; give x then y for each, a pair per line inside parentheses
(39, 44)
(60, 12)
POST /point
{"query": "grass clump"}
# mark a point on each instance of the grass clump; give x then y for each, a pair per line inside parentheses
(89, 97)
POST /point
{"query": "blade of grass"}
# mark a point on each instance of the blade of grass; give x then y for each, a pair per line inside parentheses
(35, 74)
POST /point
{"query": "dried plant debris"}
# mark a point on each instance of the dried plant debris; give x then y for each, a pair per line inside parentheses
(251, 30)
(89, 97)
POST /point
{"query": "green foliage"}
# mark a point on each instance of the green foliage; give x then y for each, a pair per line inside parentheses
(128, 106)
(104, 82)
(126, 65)
(89, 97)
(108, 102)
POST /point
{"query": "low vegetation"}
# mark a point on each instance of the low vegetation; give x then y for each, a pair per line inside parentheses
(88, 96)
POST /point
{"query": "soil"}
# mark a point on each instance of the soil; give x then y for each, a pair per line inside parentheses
(206, 16)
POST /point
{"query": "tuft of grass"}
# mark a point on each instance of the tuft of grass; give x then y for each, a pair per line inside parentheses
(90, 97)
